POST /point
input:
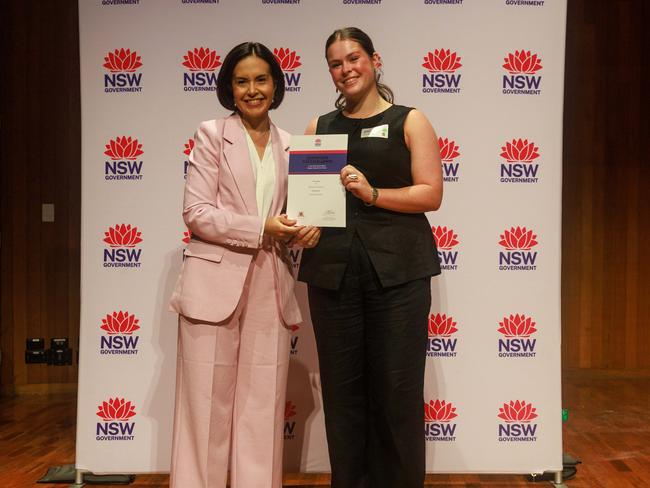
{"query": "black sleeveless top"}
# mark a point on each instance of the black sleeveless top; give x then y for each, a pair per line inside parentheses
(400, 245)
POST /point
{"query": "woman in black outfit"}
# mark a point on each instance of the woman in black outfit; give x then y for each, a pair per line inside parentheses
(369, 284)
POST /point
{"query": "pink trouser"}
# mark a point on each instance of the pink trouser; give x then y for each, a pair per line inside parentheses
(230, 384)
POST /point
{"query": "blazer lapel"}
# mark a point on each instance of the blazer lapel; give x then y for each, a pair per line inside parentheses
(281, 157)
(238, 160)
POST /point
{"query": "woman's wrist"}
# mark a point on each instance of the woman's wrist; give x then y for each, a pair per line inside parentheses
(374, 194)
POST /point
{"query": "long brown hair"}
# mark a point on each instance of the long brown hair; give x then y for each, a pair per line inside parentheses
(357, 35)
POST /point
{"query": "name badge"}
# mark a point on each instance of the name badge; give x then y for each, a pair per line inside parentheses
(379, 131)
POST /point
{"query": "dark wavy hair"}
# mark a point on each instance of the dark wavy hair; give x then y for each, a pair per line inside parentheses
(236, 54)
(357, 35)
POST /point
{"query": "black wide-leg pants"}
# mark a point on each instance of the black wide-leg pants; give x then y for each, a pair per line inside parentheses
(371, 349)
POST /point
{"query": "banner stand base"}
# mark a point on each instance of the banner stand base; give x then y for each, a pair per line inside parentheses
(67, 473)
(557, 478)
(558, 482)
(78, 479)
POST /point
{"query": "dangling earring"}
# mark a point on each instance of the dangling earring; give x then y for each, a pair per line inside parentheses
(379, 72)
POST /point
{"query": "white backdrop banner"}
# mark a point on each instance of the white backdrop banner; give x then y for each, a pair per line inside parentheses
(488, 74)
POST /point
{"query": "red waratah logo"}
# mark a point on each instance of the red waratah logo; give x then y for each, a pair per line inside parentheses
(522, 62)
(287, 58)
(441, 326)
(518, 238)
(201, 59)
(517, 326)
(122, 60)
(116, 409)
(289, 410)
(187, 235)
(520, 150)
(189, 145)
(517, 411)
(439, 411)
(441, 60)
(120, 323)
(445, 238)
(448, 149)
(122, 148)
(122, 235)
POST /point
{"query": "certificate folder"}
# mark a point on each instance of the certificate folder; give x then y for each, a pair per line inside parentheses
(316, 195)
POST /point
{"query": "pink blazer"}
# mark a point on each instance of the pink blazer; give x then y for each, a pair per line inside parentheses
(220, 209)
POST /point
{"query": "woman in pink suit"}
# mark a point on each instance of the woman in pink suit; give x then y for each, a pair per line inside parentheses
(235, 292)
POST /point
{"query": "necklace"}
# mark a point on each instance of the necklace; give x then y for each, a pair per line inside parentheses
(260, 138)
(380, 106)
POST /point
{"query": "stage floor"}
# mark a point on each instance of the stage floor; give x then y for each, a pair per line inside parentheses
(608, 430)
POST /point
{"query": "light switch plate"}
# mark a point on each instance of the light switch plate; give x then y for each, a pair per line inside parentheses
(47, 212)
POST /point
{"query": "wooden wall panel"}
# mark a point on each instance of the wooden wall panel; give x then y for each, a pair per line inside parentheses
(606, 194)
(39, 289)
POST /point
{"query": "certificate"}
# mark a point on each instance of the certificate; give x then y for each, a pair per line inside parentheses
(316, 195)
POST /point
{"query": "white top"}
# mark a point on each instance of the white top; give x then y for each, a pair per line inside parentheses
(264, 172)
